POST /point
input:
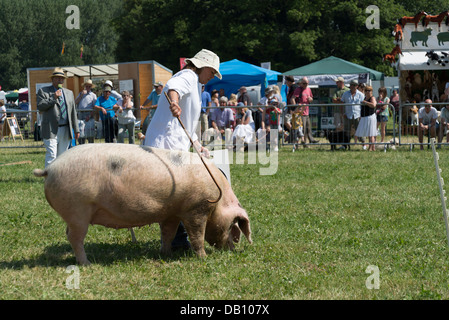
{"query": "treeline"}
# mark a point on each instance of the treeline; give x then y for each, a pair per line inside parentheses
(288, 33)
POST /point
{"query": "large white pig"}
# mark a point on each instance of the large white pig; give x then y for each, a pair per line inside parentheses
(125, 186)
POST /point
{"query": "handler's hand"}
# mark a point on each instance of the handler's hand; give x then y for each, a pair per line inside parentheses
(175, 109)
(205, 152)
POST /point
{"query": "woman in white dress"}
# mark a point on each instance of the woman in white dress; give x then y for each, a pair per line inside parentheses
(245, 129)
(368, 122)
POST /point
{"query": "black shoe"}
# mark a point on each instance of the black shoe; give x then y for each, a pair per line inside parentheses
(181, 247)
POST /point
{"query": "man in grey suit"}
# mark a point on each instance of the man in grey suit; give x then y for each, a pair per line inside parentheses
(59, 119)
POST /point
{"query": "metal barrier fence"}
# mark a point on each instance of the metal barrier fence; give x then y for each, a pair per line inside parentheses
(23, 132)
(329, 118)
(402, 127)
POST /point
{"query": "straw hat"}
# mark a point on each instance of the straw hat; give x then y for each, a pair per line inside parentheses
(89, 83)
(206, 58)
(58, 72)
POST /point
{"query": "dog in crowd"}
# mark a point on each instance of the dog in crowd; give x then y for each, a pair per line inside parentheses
(338, 137)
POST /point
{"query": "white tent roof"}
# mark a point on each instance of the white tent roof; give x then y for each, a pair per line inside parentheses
(417, 60)
(92, 70)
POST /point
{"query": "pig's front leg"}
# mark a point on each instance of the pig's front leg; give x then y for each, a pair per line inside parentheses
(168, 232)
(196, 229)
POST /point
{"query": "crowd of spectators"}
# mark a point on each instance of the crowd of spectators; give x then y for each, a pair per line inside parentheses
(238, 121)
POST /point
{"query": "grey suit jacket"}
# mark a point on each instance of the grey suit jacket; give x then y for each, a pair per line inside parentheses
(49, 108)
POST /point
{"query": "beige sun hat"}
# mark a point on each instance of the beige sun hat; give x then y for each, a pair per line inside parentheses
(89, 83)
(58, 72)
(206, 58)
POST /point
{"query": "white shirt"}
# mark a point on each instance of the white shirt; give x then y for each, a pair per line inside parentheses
(165, 131)
(2, 113)
(127, 115)
(427, 117)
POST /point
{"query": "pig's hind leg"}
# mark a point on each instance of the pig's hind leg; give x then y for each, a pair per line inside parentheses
(76, 232)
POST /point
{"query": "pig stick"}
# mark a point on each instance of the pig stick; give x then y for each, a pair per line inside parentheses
(14, 163)
(201, 157)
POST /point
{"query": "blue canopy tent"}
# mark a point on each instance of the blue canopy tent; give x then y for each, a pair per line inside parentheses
(236, 73)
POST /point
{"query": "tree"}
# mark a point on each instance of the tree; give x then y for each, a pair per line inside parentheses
(288, 33)
(34, 33)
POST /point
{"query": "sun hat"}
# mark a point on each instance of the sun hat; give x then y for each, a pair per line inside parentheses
(206, 58)
(89, 83)
(108, 83)
(58, 72)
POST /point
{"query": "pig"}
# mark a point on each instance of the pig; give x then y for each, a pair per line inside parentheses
(126, 186)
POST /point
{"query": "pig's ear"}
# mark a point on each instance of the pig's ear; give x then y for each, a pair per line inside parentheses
(241, 223)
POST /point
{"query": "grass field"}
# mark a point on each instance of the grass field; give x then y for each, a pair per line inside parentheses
(318, 224)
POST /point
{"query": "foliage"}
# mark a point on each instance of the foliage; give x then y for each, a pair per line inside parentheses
(289, 33)
(33, 33)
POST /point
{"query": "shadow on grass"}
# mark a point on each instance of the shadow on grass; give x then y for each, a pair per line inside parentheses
(61, 255)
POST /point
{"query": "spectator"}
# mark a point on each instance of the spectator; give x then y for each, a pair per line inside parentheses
(214, 104)
(336, 98)
(382, 112)
(290, 130)
(444, 123)
(114, 93)
(361, 87)
(290, 82)
(59, 119)
(245, 129)
(351, 116)
(232, 102)
(244, 97)
(258, 111)
(126, 118)
(2, 118)
(427, 117)
(303, 96)
(367, 125)
(277, 94)
(206, 102)
(86, 101)
(394, 100)
(152, 99)
(107, 104)
(222, 120)
(271, 116)
(214, 98)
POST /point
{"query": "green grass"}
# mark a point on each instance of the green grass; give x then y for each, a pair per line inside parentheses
(317, 224)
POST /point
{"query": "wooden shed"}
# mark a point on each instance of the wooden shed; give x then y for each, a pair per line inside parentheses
(137, 77)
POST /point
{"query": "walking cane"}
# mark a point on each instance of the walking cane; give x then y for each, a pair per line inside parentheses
(201, 157)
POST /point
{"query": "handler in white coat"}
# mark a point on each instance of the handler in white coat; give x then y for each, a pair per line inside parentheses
(184, 90)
